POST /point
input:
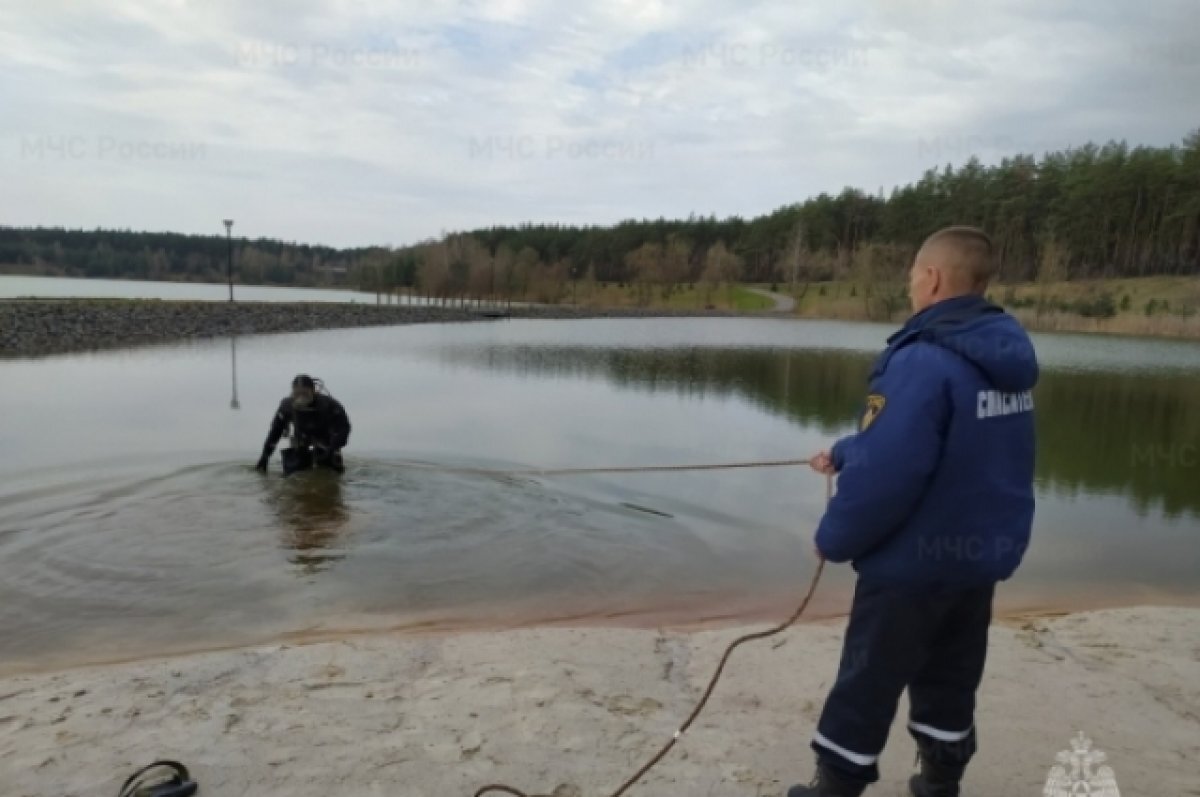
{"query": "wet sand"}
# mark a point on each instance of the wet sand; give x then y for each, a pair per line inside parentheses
(574, 711)
(713, 613)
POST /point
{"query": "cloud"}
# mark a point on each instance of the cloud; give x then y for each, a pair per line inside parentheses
(362, 121)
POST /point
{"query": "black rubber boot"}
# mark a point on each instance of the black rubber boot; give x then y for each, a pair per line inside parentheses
(942, 765)
(936, 780)
(829, 783)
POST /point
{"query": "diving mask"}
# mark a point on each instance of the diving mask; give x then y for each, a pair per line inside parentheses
(302, 399)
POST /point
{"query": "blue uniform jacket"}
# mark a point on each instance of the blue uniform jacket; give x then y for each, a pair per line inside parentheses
(936, 487)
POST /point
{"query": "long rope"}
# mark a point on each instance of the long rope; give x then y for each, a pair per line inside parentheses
(772, 463)
(712, 684)
(778, 463)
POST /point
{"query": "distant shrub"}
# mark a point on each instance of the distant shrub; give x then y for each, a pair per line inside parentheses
(853, 291)
(1101, 306)
(1011, 299)
(1126, 303)
(821, 290)
(1150, 307)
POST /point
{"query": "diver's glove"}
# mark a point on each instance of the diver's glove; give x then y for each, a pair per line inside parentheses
(261, 465)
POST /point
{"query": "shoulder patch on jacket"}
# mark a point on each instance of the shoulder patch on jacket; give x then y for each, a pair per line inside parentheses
(875, 403)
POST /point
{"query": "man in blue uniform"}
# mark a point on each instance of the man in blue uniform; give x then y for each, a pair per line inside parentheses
(934, 506)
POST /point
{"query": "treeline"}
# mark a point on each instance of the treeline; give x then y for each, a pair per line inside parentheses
(1108, 211)
(124, 254)
(1093, 211)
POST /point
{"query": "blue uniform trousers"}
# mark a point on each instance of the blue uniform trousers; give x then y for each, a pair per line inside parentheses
(932, 641)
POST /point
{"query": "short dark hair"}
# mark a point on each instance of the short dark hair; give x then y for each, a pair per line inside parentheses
(304, 380)
(972, 253)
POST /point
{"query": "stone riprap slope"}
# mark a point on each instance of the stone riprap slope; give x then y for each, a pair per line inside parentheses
(32, 328)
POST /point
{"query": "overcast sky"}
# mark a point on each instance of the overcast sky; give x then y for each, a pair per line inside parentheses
(355, 122)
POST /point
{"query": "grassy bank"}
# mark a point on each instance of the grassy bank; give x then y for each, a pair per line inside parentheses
(737, 298)
(1150, 306)
(1166, 307)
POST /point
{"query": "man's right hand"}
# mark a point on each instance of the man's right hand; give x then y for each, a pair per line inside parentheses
(261, 465)
(822, 463)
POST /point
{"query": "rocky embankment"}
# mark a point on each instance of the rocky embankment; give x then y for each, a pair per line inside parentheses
(32, 328)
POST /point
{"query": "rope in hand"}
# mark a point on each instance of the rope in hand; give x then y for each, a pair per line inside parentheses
(712, 684)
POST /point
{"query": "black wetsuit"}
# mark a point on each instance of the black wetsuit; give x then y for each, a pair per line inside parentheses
(323, 425)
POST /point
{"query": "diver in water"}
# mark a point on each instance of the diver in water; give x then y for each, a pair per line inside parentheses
(320, 428)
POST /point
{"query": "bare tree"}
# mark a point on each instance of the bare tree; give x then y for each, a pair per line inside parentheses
(433, 273)
(878, 271)
(642, 265)
(710, 277)
(502, 266)
(720, 267)
(674, 264)
(797, 260)
(1052, 268)
(525, 269)
(480, 268)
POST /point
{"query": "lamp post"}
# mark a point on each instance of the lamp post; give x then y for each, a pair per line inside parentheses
(229, 238)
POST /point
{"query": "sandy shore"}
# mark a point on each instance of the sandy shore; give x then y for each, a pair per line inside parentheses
(571, 712)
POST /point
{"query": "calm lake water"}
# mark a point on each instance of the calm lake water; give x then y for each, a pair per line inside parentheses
(20, 287)
(131, 520)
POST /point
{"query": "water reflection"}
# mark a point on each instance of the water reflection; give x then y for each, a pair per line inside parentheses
(1100, 432)
(233, 402)
(816, 387)
(1134, 435)
(314, 518)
